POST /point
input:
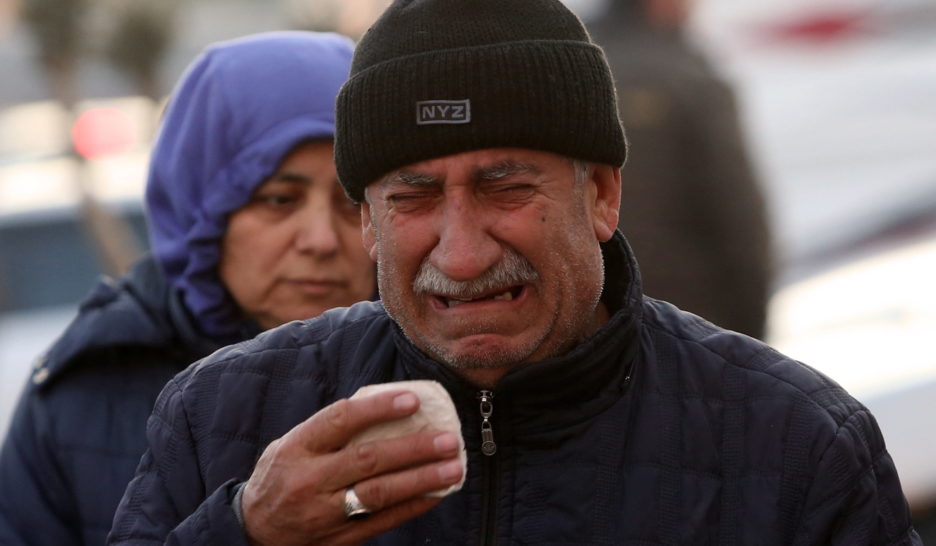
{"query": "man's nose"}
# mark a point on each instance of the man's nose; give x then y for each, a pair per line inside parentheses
(466, 248)
(317, 231)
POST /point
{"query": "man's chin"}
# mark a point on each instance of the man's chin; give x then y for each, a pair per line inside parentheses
(480, 352)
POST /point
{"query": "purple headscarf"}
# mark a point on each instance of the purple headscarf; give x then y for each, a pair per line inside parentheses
(241, 106)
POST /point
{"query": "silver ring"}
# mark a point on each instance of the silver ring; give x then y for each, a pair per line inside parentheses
(353, 507)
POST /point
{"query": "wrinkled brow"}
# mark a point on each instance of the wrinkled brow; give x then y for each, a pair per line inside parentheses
(503, 169)
(497, 171)
(410, 179)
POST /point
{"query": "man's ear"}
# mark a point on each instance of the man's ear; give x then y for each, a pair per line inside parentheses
(606, 207)
(368, 235)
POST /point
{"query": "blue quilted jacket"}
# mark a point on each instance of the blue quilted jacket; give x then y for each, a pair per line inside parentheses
(79, 428)
(659, 429)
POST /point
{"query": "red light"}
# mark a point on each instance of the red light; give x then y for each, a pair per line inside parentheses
(822, 27)
(102, 131)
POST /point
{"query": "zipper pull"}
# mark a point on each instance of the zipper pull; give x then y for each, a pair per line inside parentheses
(488, 447)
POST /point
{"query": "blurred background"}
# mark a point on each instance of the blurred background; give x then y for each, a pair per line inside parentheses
(838, 106)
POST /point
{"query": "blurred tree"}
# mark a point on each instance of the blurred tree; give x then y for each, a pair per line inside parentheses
(56, 27)
(315, 15)
(142, 32)
(142, 35)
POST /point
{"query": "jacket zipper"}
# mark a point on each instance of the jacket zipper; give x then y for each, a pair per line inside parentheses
(489, 471)
(488, 447)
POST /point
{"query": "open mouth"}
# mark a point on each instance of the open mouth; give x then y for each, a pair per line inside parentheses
(506, 295)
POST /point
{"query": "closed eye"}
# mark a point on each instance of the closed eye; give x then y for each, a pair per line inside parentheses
(408, 201)
(513, 188)
(510, 192)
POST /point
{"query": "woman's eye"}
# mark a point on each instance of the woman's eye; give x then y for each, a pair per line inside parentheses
(276, 200)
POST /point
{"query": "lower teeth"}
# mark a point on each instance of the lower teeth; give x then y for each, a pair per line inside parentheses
(506, 296)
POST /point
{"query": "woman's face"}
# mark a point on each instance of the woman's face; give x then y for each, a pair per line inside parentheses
(294, 250)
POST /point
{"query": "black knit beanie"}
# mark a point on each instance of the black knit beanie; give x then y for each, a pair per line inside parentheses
(437, 77)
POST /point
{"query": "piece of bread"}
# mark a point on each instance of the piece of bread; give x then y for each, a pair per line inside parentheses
(436, 412)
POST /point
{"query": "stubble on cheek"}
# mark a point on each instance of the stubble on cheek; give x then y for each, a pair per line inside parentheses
(395, 291)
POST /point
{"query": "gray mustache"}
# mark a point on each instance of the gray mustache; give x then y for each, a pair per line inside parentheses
(511, 270)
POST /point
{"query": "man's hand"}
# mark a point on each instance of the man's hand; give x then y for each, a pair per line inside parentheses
(296, 492)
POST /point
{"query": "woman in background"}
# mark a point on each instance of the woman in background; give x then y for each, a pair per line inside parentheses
(248, 229)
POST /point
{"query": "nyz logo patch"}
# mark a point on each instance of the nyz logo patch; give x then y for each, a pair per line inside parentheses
(430, 112)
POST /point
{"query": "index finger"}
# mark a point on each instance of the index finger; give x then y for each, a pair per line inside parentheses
(333, 426)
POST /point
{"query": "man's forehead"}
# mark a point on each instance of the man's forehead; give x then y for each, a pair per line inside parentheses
(487, 163)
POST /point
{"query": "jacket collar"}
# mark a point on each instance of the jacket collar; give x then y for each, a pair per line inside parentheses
(139, 309)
